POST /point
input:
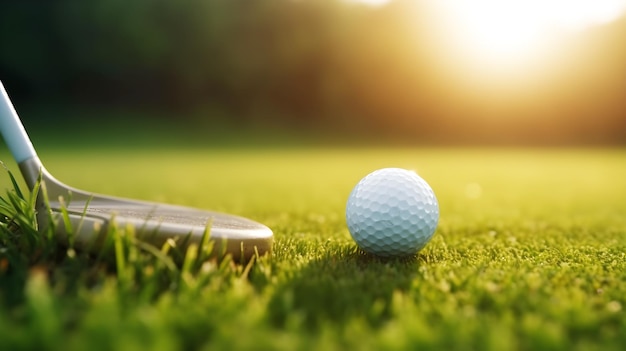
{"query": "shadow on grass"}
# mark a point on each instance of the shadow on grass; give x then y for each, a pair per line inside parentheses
(335, 289)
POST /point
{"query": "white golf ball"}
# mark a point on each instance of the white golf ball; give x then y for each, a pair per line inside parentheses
(392, 212)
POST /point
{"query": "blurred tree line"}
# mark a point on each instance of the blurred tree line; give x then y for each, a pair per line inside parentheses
(319, 63)
(308, 59)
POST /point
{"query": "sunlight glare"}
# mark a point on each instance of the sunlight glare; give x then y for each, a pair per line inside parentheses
(496, 27)
(513, 34)
(574, 15)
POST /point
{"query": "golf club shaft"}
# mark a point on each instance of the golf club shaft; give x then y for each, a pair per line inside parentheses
(13, 131)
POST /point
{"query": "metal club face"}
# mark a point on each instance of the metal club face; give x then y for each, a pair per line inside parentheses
(91, 215)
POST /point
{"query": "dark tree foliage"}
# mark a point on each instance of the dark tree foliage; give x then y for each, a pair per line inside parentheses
(234, 52)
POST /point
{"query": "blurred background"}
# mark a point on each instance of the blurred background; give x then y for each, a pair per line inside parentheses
(426, 72)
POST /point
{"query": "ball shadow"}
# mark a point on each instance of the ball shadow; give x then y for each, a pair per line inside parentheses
(335, 289)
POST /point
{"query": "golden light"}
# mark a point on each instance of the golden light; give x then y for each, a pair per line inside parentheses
(580, 14)
(493, 29)
(511, 38)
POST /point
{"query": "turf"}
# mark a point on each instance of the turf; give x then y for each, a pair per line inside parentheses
(530, 254)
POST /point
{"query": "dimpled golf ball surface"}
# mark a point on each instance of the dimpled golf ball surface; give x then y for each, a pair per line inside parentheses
(392, 212)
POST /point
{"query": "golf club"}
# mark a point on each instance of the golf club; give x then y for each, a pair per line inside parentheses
(91, 215)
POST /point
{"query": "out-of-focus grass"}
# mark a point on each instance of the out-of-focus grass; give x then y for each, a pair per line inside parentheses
(530, 253)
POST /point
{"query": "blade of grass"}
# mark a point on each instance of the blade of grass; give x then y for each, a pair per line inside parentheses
(13, 181)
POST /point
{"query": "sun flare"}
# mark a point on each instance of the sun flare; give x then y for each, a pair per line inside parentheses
(513, 34)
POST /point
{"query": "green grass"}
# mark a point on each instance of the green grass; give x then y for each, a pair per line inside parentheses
(530, 254)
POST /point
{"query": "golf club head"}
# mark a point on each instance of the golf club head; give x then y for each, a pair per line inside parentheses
(84, 219)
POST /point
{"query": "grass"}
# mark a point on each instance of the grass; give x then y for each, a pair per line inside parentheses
(530, 254)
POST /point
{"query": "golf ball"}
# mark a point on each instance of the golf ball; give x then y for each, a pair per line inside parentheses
(392, 212)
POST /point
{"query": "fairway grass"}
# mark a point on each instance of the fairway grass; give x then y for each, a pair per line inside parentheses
(530, 254)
